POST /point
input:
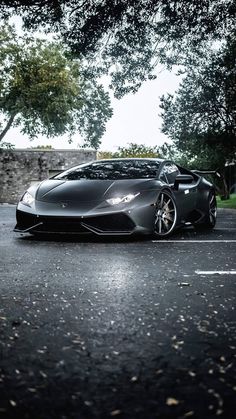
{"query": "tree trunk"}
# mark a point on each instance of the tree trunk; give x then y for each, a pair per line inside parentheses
(225, 195)
(221, 185)
(8, 125)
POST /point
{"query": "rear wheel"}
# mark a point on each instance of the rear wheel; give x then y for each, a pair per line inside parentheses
(165, 215)
(210, 218)
(212, 211)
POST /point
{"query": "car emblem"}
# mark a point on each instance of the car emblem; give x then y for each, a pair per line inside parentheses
(64, 204)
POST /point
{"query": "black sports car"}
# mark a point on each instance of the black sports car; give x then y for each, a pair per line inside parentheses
(118, 197)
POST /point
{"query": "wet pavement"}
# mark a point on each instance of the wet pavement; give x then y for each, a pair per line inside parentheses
(126, 328)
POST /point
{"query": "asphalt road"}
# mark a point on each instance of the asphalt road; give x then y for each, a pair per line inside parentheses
(126, 328)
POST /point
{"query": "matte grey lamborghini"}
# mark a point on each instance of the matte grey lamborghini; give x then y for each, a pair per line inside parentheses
(118, 197)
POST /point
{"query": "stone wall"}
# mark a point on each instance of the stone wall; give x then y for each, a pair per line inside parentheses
(20, 168)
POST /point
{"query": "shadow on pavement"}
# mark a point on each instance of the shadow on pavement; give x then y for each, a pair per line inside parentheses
(181, 234)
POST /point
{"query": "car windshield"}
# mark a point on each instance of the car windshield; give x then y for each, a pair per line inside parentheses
(126, 169)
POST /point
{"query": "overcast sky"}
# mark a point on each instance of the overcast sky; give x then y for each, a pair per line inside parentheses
(135, 118)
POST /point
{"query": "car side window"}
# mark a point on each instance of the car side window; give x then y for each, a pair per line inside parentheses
(169, 173)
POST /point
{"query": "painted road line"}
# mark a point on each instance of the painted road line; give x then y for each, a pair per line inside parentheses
(229, 229)
(215, 272)
(224, 228)
(193, 241)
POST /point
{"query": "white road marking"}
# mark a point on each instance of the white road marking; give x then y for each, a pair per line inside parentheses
(215, 272)
(193, 241)
(218, 229)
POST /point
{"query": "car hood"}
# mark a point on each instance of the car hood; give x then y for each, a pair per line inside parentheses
(84, 190)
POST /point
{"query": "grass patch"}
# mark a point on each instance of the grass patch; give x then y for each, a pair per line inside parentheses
(229, 203)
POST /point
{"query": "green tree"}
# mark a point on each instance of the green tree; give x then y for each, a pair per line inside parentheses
(204, 159)
(104, 155)
(134, 35)
(45, 92)
(201, 117)
(132, 150)
(43, 147)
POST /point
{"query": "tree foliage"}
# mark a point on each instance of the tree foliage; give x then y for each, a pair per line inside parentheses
(201, 117)
(130, 37)
(43, 147)
(45, 92)
(131, 150)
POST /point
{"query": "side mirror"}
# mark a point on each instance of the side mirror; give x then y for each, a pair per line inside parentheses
(183, 179)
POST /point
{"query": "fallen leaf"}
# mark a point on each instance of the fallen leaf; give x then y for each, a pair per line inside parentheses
(183, 284)
(171, 401)
(188, 414)
(115, 412)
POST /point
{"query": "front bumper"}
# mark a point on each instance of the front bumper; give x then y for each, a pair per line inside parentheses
(119, 223)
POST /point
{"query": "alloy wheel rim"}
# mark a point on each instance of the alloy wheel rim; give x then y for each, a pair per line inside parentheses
(165, 217)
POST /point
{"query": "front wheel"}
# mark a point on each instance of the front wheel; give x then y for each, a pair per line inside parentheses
(165, 215)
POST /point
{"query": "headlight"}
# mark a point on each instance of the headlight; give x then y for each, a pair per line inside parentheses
(27, 199)
(122, 199)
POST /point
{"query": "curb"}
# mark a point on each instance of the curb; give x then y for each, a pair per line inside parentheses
(226, 209)
(6, 205)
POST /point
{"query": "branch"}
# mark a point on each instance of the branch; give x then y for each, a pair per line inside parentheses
(8, 125)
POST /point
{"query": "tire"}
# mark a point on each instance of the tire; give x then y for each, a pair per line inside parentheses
(165, 217)
(210, 218)
(212, 211)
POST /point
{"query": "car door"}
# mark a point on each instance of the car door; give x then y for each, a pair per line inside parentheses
(185, 194)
